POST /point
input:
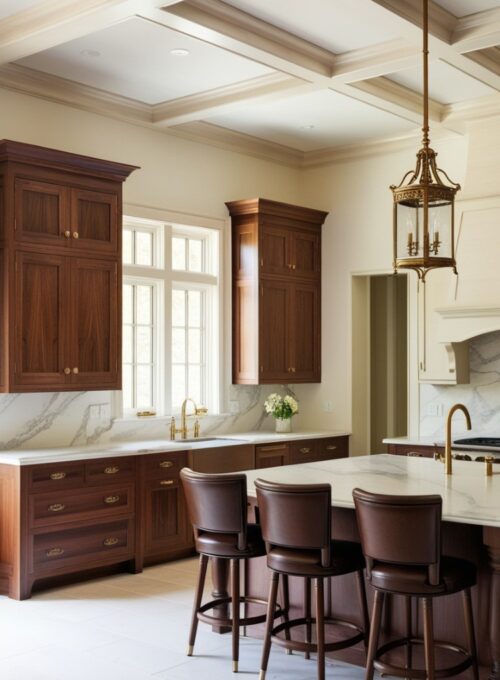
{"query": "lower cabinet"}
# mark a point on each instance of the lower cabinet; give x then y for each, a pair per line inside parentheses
(272, 455)
(419, 451)
(301, 451)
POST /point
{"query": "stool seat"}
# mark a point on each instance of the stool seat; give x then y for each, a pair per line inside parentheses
(456, 575)
(226, 545)
(347, 557)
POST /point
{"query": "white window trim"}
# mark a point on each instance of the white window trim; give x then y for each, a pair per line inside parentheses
(218, 371)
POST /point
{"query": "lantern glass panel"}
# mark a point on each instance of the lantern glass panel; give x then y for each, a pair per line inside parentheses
(409, 230)
(440, 222)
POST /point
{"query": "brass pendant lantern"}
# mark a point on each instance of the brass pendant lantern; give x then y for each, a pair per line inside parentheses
(424, 236)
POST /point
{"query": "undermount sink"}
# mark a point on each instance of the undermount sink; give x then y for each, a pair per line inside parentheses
(196, 439)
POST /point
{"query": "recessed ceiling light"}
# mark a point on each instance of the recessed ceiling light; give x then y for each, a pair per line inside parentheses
(179, 52)
(90, 53)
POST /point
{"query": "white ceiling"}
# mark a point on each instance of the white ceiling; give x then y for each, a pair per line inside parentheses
(255, 77)
(461, 8)
(134, 60)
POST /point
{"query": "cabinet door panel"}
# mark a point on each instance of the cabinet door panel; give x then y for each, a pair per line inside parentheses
(273, 338)
(272, 455)
(275, 257)
(94, 220)
(166, 526)
(306, 254)
(304, 330)
(96, 336)
(41, 294)
(40, 212)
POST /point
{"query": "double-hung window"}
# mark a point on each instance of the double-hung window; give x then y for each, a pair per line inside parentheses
(170, 316)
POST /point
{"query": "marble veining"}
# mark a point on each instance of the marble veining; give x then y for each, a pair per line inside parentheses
(469, 497)
(481, 396)
(60, 419)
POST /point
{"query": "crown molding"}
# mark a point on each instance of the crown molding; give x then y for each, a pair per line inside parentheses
(477, 31)
(476, 109)
(202, 105)
(376, 60)
(67, 92)
(489, 57)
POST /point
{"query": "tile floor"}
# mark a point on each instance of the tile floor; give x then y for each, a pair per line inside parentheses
(130, 627)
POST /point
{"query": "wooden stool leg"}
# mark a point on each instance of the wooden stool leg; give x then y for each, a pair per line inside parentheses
(408, 608)
(328, 597)
(428, 638)
(286, 606)
(197, 602)
(364, 607)
(245, 593)
(271, 606)
(469, 628)
(320, 628)
(374, 633)
(307, 612)
(235, 603)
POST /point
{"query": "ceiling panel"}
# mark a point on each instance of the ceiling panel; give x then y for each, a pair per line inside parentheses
(9, 7)
(333, 25)
(462, 8)
(447, 84)
(313, 121)
(134, 59)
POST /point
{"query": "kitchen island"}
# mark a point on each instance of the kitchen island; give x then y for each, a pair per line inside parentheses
(471, 530)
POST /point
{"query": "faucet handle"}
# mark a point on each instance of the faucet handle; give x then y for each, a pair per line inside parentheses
(201, 411)
(172, 428)
(196, 428)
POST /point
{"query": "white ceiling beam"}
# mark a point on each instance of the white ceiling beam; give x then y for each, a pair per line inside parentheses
(376, 60)
(477, 31)
(58, 21)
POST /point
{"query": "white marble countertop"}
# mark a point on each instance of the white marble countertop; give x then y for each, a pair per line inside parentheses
(20, 457)
(469, 497)
(415, 441)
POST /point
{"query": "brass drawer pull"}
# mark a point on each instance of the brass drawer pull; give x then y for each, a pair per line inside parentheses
(67, 234)
(111, 499)
(55, 552)
(331, 447)
(56, 507)
(306, 449)
(67, 370)
(111, 470)
(167, 482)
(110, 541)
(75, 370)
(57, 475)
(415, 454)
(166, 464)
(76, 234)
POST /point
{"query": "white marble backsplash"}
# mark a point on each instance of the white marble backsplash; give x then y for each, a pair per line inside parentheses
(45, 420)
(481, 396)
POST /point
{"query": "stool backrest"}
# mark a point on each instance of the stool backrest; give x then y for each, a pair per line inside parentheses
(217, 503)
(402, 530)
(296, 516)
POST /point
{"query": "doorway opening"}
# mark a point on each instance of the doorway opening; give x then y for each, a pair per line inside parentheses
(379, 360)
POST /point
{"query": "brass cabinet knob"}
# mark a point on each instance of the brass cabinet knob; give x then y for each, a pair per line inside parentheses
(55, 552)
(111, 470)
(167, 482)
(76, 234)
(111, 499)
(305, 449)
(56, 507)
(67, 234)
(293, 266)
(67, 371)
(75, 370)
(293, 369)
(166, 464)
(331, 447)
(57, 475)
(112, 540)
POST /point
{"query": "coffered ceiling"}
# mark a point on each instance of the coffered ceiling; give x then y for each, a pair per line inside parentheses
(301, 82)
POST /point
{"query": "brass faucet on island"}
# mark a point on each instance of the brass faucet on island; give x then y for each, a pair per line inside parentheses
(447, 458)
(183, 429)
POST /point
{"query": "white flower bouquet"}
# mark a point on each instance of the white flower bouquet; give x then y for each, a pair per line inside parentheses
(281, 407)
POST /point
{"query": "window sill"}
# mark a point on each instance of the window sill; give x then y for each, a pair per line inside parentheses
(145, 419)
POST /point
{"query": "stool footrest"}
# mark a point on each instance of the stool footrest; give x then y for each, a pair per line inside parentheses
(416, 673)
(227, 621)
(299, 646)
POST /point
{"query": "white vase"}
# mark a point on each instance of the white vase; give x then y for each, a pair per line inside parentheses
(283, 424)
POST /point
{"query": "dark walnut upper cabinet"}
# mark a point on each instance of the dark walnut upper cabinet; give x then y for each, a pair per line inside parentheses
(60, 270)
(276, 255)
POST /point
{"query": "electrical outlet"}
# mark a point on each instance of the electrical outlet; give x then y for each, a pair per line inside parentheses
(328, 406)
(432, 409)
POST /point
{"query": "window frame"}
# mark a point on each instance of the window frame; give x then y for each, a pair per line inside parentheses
(166, 279)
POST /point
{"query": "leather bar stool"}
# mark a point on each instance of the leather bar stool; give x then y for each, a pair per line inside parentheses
(217, 506)
(296, 526)
(401, 541)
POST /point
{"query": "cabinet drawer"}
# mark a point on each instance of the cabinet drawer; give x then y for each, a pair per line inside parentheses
(272, 455)
(168, 465)
(304, 451)
(110, 470)
(56, 476)
(333, 447)
(68, 506)
(77, 547)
